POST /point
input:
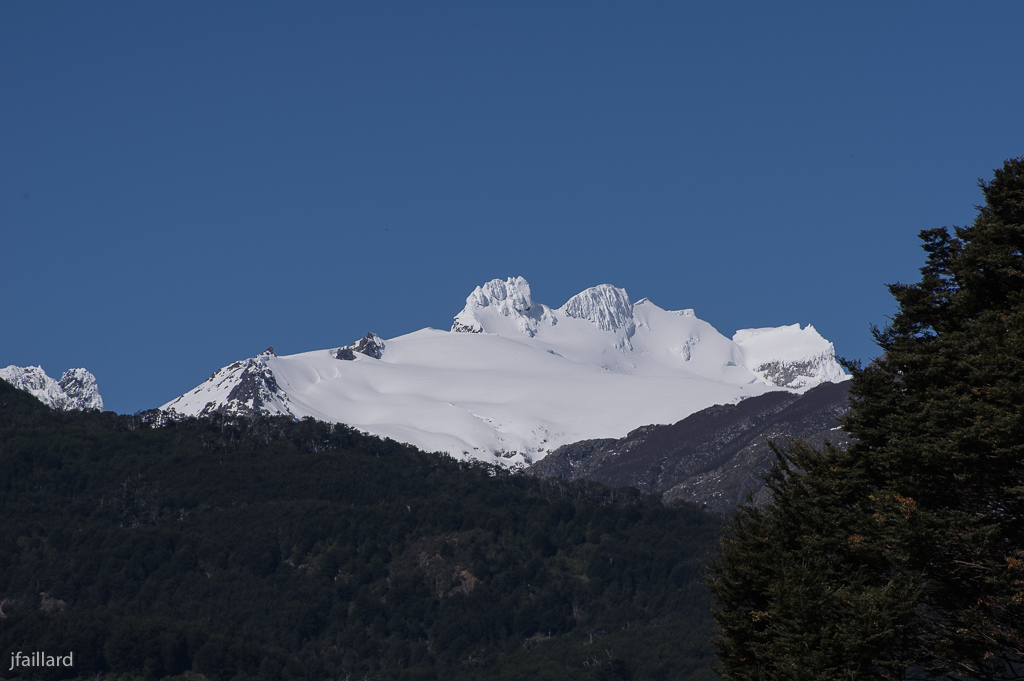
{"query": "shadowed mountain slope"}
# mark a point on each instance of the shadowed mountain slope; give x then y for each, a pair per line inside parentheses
(713, 457)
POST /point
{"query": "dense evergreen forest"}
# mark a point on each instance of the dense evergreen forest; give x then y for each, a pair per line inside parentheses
(274, 549)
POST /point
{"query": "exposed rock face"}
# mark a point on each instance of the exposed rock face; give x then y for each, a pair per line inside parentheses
(80, 390)
(791, 374)
(713, 457)
(370, 345)
(254, 393)
(245, 388)
(76, 389)
(459, 327)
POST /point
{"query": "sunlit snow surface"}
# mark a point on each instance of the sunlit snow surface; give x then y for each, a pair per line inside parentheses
(521, 378)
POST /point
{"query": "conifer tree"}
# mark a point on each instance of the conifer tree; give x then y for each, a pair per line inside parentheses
(796, 586)
(908, 548)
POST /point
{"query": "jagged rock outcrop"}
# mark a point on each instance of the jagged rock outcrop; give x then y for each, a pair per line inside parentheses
(76, 389)
(370, 345)
(510, 299)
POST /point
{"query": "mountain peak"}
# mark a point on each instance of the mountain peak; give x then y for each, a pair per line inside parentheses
(789, 356)
(605, 305)
(247, 387)
(509, 299)
(76, 389)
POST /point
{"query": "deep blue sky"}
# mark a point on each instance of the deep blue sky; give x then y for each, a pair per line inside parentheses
(183, 184)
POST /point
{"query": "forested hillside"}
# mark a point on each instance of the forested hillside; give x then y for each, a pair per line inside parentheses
(275, 549)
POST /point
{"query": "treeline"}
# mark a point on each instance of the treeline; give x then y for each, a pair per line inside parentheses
(273, 549)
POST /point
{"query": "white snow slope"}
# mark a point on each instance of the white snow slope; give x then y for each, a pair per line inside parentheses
(76, 388)
(515, 379)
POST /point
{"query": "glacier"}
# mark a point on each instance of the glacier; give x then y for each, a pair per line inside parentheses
(513, 379)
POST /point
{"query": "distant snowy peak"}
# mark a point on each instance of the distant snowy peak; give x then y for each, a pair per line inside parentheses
(790, 357)
(244, 388)
(80, 388)
(490, 308)
(76, 389)
(496, 305)
(606, 306)
(510, 297)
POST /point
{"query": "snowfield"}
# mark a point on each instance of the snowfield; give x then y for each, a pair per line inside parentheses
(514, 379)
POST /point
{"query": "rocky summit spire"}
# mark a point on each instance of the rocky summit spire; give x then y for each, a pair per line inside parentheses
(605, 305)
(488, 305)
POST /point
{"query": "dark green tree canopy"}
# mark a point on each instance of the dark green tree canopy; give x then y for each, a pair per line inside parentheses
(235, 549)
(921, 521)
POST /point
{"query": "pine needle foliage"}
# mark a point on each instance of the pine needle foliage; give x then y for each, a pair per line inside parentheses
(903, 556)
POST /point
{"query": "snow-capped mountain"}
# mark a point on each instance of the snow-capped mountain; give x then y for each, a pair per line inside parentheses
(789, 356)
(515, 379)
(76, 389)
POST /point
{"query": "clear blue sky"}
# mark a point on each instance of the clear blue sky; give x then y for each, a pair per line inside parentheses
(183, 184)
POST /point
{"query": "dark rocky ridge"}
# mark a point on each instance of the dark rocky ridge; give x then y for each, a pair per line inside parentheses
(370, 345)
(713, 457)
